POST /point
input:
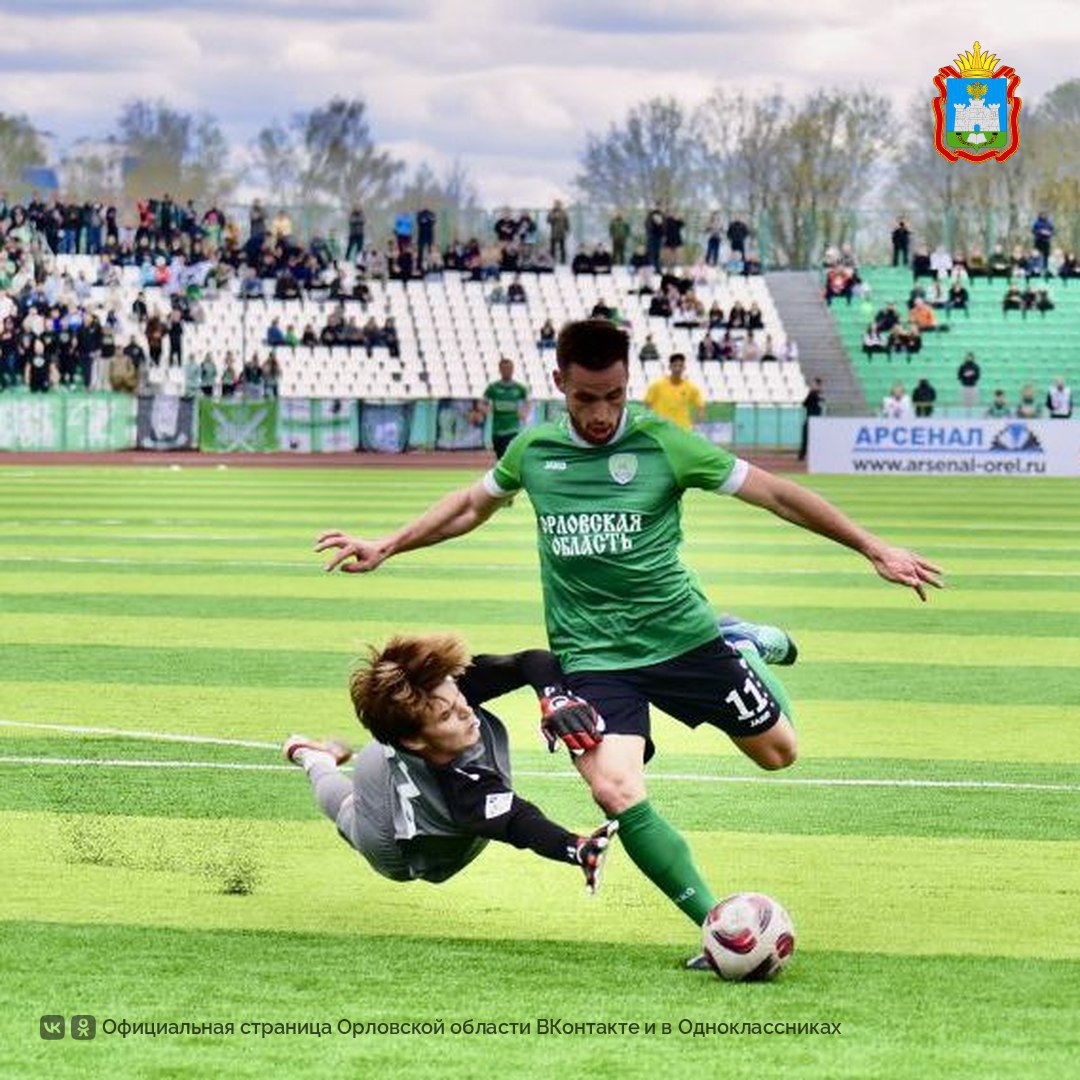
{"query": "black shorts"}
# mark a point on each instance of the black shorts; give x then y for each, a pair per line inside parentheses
(712, 684)
(499, 443)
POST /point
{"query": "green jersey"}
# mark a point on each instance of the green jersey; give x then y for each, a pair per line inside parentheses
(506, 400)
(608, 530)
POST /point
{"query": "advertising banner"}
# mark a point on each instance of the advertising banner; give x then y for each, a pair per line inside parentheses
(62, 421)
(1007, 447)
(165, 422)
(238, 426)
(385, 426)
(318, 425)
(459, 425)
(718, 424)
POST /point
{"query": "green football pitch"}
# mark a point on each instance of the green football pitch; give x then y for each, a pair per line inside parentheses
(927, 843)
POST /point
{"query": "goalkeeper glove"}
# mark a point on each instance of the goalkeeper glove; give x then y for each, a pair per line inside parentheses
(572, 719)
(591, 852)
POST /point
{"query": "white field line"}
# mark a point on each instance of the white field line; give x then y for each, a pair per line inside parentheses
(156, 736)
(696, 778)
(122, 763)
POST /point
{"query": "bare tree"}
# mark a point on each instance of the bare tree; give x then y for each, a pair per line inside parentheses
(20, 148)
(157, 139)
(652, 158)
(454, 190)
(174, 152)
(339, 159)
(206, 169)
(962, 205)
(276, 156)
(1051, 150)
(739, 137)
(452, 197)
(827, 151)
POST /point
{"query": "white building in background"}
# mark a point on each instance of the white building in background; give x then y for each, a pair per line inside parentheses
(95, 165)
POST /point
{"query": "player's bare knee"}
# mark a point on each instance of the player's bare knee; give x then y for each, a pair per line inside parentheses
(617, 791)
(780, 754)
(775, 750)
(777, 758)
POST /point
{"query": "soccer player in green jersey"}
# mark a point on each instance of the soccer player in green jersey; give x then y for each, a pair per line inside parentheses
(506, 400)
(626, 619)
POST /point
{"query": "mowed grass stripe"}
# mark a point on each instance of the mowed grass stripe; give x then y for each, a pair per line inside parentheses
(912, 732)
(351, 498)
(848, 582)
(131, 631)
(524, 608)
(1004, 1029)
(921, 492)
(751, 524)
(696, 758)
(154, 871)
(227, 666)
(768, 807)
(274, 538)
(707, 542)
(409, 579)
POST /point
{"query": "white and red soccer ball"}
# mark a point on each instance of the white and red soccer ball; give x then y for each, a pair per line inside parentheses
(748, 937)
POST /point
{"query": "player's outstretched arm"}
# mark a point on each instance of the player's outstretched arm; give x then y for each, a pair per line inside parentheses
(806, 508)
(453, 515)
(563, 715)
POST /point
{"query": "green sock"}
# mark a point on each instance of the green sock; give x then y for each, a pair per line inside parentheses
(664, 857)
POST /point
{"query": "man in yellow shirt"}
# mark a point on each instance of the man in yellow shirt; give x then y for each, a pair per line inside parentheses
(675, 397)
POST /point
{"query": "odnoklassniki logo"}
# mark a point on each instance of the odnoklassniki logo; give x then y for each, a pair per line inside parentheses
(976, 112)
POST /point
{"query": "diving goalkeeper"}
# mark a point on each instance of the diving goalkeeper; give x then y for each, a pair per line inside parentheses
(434, 788)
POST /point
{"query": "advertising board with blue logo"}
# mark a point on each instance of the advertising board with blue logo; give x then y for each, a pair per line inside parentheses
(941, 447)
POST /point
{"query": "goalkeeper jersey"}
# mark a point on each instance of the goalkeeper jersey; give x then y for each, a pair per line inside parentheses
(609, 527)
(442, 816)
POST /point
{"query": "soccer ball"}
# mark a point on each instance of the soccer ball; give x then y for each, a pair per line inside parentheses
(748, 937)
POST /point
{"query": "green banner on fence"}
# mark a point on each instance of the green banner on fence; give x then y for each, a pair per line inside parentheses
(248, 427)
(318, 425)
(64, 421)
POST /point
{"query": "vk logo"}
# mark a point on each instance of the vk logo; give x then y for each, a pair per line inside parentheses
(52, 1027)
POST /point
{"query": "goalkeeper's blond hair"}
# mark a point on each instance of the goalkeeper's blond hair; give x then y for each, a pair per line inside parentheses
(392, 687)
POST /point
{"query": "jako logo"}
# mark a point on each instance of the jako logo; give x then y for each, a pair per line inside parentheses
(557, 465)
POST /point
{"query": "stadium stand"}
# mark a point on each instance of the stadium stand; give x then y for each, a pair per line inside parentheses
(451, 335)
(1012, 350)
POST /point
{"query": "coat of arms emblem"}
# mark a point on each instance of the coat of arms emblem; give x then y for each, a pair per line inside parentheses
(976, 112)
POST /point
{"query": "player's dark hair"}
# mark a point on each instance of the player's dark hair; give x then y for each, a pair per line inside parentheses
(594, 344)
(391, 689)
(676, 356)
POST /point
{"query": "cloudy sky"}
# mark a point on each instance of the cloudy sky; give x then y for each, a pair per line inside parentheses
(508, 86)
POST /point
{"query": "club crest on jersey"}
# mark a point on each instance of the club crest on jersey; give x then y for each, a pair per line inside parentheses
(623, 467)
